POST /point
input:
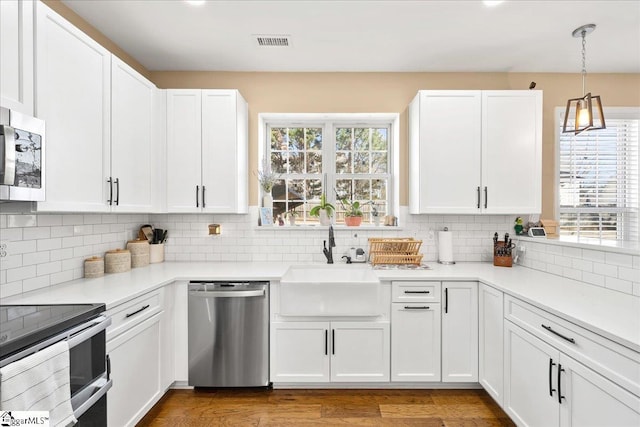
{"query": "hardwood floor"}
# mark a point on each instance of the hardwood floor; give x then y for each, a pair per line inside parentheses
(432, 408)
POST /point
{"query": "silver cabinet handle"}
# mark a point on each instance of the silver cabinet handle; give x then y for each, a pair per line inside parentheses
(227, 294)
(117, 182)
(203, 199)
(110, 201)
(486, 197)
(8, 171)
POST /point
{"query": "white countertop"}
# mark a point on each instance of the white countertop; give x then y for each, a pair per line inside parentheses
(611, 314)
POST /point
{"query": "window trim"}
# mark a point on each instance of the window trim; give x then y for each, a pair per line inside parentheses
(609, 113)
(354, 119)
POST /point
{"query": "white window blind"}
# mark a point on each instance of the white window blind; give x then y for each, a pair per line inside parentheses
(598, 179)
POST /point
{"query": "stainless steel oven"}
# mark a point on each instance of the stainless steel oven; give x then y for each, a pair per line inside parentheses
(22, 143)
(25, 330)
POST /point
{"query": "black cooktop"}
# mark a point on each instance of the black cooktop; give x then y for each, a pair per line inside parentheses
(22, 326)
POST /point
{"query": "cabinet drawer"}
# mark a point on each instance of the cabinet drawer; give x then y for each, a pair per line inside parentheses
(128, 314)
(415, 291)
(616, 362)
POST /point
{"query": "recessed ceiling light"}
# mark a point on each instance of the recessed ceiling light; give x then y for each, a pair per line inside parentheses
(491, 3)
(195, 2)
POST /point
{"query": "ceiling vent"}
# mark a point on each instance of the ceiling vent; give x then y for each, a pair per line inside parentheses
(273, 40)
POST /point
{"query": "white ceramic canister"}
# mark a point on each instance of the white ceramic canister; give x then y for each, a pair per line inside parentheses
(117, 261)
(139, 252)
(156, 253)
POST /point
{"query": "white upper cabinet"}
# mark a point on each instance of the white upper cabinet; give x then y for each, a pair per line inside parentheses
(512, 151)
(132, 159)
(207, 160)
(73, 96)
(16, 55)
(475, 152)
(444, 142)
(101, 118)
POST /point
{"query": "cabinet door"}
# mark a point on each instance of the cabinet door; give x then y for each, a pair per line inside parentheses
(73, 80)
(444, 146)
(460, 332)
(184, 140)
(224, 152)
(132, 104)
(360, 351)
(300, 352)
(512, 151)
(490, 341)
(415, 342)
(530, 388)
(16, 55)
(592, 400)
(135, 370)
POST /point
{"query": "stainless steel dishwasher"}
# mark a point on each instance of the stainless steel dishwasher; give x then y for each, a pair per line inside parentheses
(228, 334)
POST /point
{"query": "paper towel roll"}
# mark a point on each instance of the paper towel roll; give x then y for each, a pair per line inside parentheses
(445, 247)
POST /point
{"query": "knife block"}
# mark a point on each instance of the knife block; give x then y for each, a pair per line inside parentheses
(501, 260)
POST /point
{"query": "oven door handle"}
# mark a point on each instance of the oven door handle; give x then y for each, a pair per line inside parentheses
(99, 324)
(74, 336)
(82, 401)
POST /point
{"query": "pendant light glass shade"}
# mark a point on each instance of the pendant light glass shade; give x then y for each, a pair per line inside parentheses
(586, 110)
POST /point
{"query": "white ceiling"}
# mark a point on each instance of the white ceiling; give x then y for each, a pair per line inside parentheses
(360, 35)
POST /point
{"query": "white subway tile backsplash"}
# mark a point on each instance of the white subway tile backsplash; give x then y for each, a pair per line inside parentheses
(630, 274)
(21, 273)
(49, 244)
(619, 259)
(18, 221)
(605, 269)
(619, 285)
(636, 288)
(52, 249)
(10, 234)
(33, 233)
(11, 261)
(594, 279)
(49, 268)
(45, 220)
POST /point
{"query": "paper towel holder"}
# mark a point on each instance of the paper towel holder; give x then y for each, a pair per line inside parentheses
(446, 262)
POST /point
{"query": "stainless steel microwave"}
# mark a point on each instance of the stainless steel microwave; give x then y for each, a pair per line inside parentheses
(22, 141)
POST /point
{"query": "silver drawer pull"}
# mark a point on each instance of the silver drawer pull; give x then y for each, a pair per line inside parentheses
(548, 328)
(417, 292)
(406, 307)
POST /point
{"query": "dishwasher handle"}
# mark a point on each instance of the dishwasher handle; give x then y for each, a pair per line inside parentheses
(227, 294)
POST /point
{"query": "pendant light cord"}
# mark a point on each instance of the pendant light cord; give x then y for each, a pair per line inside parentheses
(584, 60)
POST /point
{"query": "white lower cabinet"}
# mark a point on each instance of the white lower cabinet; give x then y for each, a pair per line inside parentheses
(318, 352)
(135, 371)
(545, 387)
(490, 341)
(460, 332)
(415, 347)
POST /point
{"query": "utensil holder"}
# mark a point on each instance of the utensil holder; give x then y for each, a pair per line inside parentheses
(156, 253)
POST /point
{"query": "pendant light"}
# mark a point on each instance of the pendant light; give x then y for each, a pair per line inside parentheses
(588, 109)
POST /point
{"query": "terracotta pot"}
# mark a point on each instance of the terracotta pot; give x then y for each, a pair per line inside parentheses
(353, 221)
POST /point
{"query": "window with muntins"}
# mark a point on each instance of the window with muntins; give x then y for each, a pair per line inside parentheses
(598, 179)
(344, 159)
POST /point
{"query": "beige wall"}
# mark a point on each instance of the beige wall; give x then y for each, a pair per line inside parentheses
(392, 92)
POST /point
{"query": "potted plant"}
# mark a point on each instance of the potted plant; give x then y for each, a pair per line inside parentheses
(291, 216)
(352, 212)
(324, 210)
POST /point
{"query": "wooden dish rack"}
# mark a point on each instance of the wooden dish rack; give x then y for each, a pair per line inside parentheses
(404, 250)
